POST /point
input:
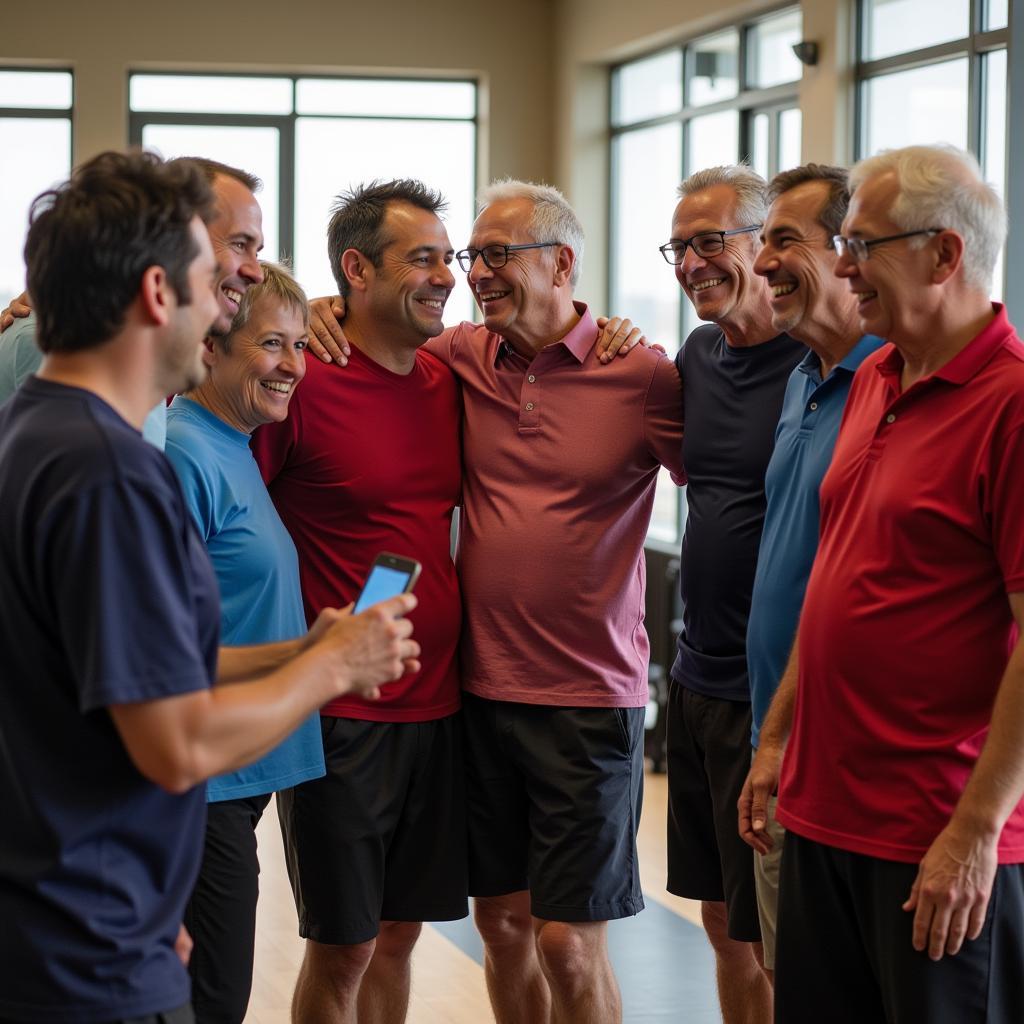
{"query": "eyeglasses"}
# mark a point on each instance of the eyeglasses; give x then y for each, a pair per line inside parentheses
(859, 249)
(707, 243)
(495, 256)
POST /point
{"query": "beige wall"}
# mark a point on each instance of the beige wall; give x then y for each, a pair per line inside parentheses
(104, 39)
(543, 64)
(592, 34)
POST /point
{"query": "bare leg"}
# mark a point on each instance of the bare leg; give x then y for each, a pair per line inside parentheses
(519, 993)
(574, 959)
(744, 991)
(328, 983)
(384, 992)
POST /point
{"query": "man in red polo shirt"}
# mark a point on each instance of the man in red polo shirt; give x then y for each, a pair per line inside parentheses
(902, 890)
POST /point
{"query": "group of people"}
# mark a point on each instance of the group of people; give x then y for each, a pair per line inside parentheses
(845, 776)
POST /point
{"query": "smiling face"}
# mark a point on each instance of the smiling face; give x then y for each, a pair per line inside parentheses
(254, 376)
(406, 294)
(237, 236)
(516, 299)
(798, 262)
(182, 363)
(891, 286)
(722, 288)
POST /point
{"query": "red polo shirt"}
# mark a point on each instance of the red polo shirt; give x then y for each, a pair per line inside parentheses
(561, 456)
(906, 627)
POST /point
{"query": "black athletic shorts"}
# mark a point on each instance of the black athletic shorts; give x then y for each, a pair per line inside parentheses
(844, 952)
(554, 799)
(381, 837)
(708, 746)
(221, 912)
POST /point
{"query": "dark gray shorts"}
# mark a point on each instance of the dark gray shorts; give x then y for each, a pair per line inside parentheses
(554, 798)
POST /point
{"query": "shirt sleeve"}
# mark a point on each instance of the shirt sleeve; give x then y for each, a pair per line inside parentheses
(663, 418)
(122, 565)
(443, 346)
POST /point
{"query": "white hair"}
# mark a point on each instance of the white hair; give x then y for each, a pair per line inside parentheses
(554, 220)
(750, 188)
(942, 187)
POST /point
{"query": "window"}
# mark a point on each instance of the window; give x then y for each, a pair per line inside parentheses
(35, 115)
(713, 100)
(933, 72)
(311, 138)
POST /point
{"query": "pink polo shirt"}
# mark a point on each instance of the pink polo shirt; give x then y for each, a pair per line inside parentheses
(561, 455)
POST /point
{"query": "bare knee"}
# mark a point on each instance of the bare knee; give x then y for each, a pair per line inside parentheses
(570, 952)
(397, 939)
(337, 968)
(503, 921)
(716, 924)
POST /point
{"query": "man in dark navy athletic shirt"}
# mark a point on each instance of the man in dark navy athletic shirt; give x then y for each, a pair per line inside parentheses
(107, 719)
(734, 373)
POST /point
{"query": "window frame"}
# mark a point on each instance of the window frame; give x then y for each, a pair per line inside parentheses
(286, 125)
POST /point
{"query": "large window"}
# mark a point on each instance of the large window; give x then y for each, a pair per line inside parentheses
(35, 122)
(724, 97)
(311, 138)
(935, 72)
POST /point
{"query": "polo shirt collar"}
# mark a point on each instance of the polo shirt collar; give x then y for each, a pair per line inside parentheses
(970, 359)
(811, 363)
(579, 341)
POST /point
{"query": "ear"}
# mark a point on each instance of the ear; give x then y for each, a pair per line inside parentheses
(209, 352)
(155, 295)
(565, 260)
(356, 268)
(948, 248)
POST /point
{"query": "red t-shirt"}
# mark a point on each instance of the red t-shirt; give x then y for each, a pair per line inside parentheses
(906, 628)
(369, 461)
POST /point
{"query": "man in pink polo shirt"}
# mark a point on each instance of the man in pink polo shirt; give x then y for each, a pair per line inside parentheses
(561, 453)
(902, 889)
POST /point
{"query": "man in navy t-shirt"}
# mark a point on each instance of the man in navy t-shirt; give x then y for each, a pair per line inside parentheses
(734, 372)
(107, 719)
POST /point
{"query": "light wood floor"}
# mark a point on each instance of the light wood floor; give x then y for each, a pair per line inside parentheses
(448, 985)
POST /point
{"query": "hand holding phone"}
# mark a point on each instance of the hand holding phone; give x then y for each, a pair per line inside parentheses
(389, 576)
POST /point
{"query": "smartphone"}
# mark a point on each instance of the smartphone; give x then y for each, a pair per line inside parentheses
(389, 576)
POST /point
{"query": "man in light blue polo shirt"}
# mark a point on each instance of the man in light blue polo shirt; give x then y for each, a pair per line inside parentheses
(815, 307)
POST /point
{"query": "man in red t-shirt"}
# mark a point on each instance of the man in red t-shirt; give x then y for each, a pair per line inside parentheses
(368, 460)
(902, 890)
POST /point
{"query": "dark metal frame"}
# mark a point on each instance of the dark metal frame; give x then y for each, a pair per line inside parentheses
(285, 124)
(35, 113)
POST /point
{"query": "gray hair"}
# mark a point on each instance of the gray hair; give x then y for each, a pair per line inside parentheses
(942, 187)
(278, 283)
(750, 188)
(554, 220)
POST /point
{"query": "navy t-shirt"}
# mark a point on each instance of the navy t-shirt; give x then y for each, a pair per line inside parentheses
(733, 399)
(107, 597)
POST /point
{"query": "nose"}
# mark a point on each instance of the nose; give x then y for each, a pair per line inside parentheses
(293, 361)
(765, 262)
(691, 261)
(443, 277)
(845, 266)
(251, 270)
(479, 271)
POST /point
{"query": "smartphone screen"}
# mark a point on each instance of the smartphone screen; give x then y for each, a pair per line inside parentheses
(382, 583)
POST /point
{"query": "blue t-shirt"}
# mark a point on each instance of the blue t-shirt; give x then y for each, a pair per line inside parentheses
(257, 569)
(808, 427)
(108, 597)
(20, 357)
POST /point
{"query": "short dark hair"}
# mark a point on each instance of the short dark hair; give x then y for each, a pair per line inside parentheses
(833, 210)
(212, 168)
(91, 239)
(357, 219)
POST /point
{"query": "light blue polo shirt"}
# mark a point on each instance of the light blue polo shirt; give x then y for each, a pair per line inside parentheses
(804, 440)
(257, 569)
(20, 357)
